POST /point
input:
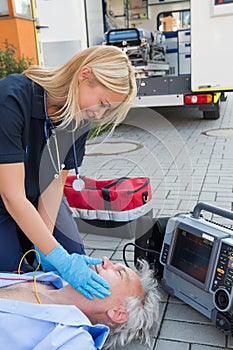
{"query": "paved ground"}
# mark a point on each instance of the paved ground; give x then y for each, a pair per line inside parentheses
(185, 166)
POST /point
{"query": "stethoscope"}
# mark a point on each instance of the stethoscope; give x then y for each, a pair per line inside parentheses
(78, 184)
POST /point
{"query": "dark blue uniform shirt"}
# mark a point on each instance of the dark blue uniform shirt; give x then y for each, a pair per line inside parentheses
(22, 137)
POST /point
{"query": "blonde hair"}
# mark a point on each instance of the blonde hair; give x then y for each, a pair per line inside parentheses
(110, 67)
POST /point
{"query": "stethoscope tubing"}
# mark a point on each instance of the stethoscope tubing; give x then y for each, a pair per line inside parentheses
(48, 125)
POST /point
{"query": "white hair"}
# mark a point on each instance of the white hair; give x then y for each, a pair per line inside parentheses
(142, 313)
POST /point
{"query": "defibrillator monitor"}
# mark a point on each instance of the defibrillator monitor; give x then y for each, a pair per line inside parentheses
(191, 253)
(197, 259)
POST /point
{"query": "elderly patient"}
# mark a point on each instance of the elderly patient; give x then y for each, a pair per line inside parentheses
(71, 321)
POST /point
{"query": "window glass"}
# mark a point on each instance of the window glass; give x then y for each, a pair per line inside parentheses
(23, 8)
(173, 21)
(3, 7)
(220, 2)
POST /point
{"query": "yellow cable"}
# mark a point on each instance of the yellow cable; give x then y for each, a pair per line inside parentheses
(35, 289)
(29, 251)
(34, 277)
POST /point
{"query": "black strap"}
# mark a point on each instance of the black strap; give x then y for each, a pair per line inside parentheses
(121, 179)
(140, 187)
(106, 193)
(117, 182)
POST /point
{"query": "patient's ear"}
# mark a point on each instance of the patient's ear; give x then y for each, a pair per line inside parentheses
(118, 315)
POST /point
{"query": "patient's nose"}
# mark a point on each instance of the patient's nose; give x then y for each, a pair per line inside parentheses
(107, 264)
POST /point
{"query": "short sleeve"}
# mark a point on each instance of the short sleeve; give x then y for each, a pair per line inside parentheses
(13, 124)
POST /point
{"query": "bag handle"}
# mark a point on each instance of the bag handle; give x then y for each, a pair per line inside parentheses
(121, 179)
(140, 187)
(106, 193)
(117, 182)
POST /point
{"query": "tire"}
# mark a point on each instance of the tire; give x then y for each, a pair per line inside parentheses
(223, 97)
(212, 115)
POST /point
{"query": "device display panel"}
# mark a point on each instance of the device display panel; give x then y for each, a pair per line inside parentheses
(191, 254)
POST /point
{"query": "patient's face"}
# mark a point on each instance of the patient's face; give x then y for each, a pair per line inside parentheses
(123, 281)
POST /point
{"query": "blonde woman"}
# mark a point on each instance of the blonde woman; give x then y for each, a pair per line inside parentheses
(45, 117)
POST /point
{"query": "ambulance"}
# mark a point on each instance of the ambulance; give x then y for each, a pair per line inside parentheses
(188, 59)
(182, 54)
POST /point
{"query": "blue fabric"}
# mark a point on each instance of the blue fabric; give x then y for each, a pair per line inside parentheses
(10, 248)
(66, 233)
(62, 327)
(8, 279)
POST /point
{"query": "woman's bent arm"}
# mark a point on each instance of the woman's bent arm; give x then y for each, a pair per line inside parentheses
(50, 200)
(12, 191)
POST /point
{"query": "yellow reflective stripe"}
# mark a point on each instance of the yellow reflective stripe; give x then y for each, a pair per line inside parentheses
(209, 89)
(217, 96)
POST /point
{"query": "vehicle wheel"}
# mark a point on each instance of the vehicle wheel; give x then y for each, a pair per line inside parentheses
(212, 115)
(223, 97)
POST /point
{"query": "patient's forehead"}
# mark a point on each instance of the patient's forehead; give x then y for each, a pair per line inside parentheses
(130, 280)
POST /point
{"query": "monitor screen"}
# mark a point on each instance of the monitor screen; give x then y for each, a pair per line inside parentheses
(191, 254)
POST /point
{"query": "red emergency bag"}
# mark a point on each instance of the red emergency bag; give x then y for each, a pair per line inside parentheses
(120, 194)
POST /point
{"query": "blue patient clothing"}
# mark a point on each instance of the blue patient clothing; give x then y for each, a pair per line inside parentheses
(26, 326)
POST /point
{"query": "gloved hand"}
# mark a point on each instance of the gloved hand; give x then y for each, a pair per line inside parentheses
(75, 270)
(44, 264)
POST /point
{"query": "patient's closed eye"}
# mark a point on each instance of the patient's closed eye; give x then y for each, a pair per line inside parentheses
(121, 271)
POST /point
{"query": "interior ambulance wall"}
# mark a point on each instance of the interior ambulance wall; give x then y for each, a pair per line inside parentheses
(153, 10)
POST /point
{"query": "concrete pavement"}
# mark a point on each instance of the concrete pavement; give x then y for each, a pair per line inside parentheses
(185, 166)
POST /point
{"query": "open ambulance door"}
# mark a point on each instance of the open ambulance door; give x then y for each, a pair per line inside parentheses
(211, 47)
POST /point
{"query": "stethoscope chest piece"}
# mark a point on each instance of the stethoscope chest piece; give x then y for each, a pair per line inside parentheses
(78, 184)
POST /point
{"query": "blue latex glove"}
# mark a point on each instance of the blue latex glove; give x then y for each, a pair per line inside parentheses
(74, 269)
(44, 264)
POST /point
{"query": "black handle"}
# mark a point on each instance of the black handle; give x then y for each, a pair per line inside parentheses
(106, 192)
(212, 209)
(117, 182)
(136, 41)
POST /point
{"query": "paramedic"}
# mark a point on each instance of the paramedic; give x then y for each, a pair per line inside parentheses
(168, 22)
(97, 84)
(130, 311)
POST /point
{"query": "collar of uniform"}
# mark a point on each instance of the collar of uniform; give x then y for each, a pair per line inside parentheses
(38, 111)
